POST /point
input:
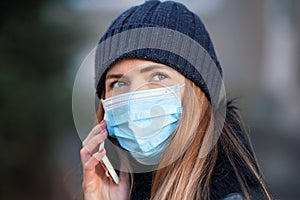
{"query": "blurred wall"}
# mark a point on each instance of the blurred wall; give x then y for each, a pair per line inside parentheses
(43, 43)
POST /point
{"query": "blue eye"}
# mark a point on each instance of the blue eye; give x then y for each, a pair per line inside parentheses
(159, 76)
(118, 84)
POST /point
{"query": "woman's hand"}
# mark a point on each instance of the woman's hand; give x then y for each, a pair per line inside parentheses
(96, 185)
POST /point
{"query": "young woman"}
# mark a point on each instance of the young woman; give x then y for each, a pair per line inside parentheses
(161, 92)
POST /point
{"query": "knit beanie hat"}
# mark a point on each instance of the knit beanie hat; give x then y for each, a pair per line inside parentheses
(163, 32)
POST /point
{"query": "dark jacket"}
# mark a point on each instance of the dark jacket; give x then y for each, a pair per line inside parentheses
(142, 189)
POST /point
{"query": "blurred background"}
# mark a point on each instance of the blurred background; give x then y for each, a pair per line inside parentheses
(42, 44)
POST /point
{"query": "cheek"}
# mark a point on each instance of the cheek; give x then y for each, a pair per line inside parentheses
(182, 93)
(108, 95)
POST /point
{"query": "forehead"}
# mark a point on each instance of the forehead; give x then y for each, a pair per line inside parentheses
(131, 65)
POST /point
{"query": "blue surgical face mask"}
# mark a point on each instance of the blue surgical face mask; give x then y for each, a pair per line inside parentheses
(143, 121)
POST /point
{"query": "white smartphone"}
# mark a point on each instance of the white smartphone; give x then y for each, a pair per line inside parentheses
(109, 169)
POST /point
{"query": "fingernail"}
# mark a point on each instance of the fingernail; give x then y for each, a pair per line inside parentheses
(102, 123)
(101, 150)
(103, 132)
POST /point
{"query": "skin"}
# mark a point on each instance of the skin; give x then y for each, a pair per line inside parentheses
(134, 74)
(128, 75)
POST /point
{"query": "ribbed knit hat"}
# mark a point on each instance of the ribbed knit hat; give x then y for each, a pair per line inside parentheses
(163, 32)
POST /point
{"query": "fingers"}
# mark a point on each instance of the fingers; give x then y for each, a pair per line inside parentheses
(91, 144)
(96, 141)
(96, 130)
(94, 160)
(84, 155)
(91, 155)
(93, 172)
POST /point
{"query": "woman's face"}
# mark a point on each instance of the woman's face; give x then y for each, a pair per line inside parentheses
(131, 75)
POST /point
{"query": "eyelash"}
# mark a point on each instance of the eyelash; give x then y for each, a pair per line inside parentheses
(111, 85)
(159, 73)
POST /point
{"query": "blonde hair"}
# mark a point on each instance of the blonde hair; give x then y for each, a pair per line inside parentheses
(185, 174)
(190, 175)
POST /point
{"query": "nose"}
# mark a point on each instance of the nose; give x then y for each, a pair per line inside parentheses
(139, 85)
(142, 84)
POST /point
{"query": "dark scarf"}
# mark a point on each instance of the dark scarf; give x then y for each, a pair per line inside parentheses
(142, 186)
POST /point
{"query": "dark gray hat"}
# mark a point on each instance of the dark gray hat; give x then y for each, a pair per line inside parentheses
(163, 32)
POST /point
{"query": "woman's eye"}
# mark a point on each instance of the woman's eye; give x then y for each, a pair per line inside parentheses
(118, 84)
(159, 77)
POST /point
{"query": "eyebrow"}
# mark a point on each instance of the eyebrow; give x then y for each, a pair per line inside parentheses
(150, 68)
(143, 70)
(114, 76)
